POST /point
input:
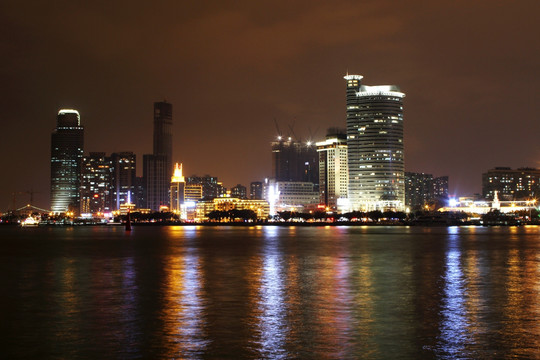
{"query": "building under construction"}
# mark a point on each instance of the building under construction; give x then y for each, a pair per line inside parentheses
(293, 160)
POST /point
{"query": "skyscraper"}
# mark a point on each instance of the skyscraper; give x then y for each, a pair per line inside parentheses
(157, 167)
(293, 160)
(95, 190)
(163, 134)
(333, 170)
(67, 142)
(375, 146)
(123, 178)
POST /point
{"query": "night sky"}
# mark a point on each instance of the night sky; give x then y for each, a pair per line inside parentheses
(470, 71)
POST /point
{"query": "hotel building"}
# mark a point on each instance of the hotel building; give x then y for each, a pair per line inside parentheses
(375, 146)
(333, 169)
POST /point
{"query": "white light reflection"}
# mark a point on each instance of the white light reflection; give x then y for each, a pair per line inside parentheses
(454, 323)
(272, 325)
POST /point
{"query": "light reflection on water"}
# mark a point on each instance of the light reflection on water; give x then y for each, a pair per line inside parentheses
(272, 329)
(455, 324)
(271, 292)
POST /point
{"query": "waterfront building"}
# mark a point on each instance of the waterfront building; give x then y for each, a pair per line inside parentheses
(290, 195)
(423, 190)
(67, 144)
(511, 184)
(184, 196)
(418, 190)
(204, 207)
(124, 169)
(333, 169)
(440, 187)
(96, 190)
(178, 184)
(375, 146)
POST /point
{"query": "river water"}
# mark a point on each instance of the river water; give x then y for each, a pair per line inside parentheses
(270, 292)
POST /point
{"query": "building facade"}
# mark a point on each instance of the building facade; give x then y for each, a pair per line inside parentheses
(124, 170)
(423, 190)
(157, 167)
(293, 160)
(256, 190)
(333, 169)
(290, 195)
(375, 146)
(156, 190)
(67, 146)
(96, 184)
(511, 184)
(211, 187)
(204, 207)
(239, 191)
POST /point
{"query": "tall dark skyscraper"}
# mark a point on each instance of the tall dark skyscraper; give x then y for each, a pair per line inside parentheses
(67, 143)
(158, 167)
(375, 146)
(163, 134)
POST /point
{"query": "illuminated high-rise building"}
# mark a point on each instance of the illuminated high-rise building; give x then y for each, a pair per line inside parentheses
(178, 185)
(375, 146)
(67, 142)
(96, 190)
(333, 170)
(183, 196)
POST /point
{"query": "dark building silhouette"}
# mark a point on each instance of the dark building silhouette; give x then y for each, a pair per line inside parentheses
(256, 190)
(156, 188)
(293, 160)
(163, 134)
(158, 167)
(140, 192)
(67, 143)
(211, 187)
(124, 169)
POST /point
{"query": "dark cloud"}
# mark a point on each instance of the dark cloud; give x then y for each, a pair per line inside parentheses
(469, 70)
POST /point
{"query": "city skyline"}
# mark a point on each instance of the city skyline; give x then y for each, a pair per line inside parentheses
(468, 71)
